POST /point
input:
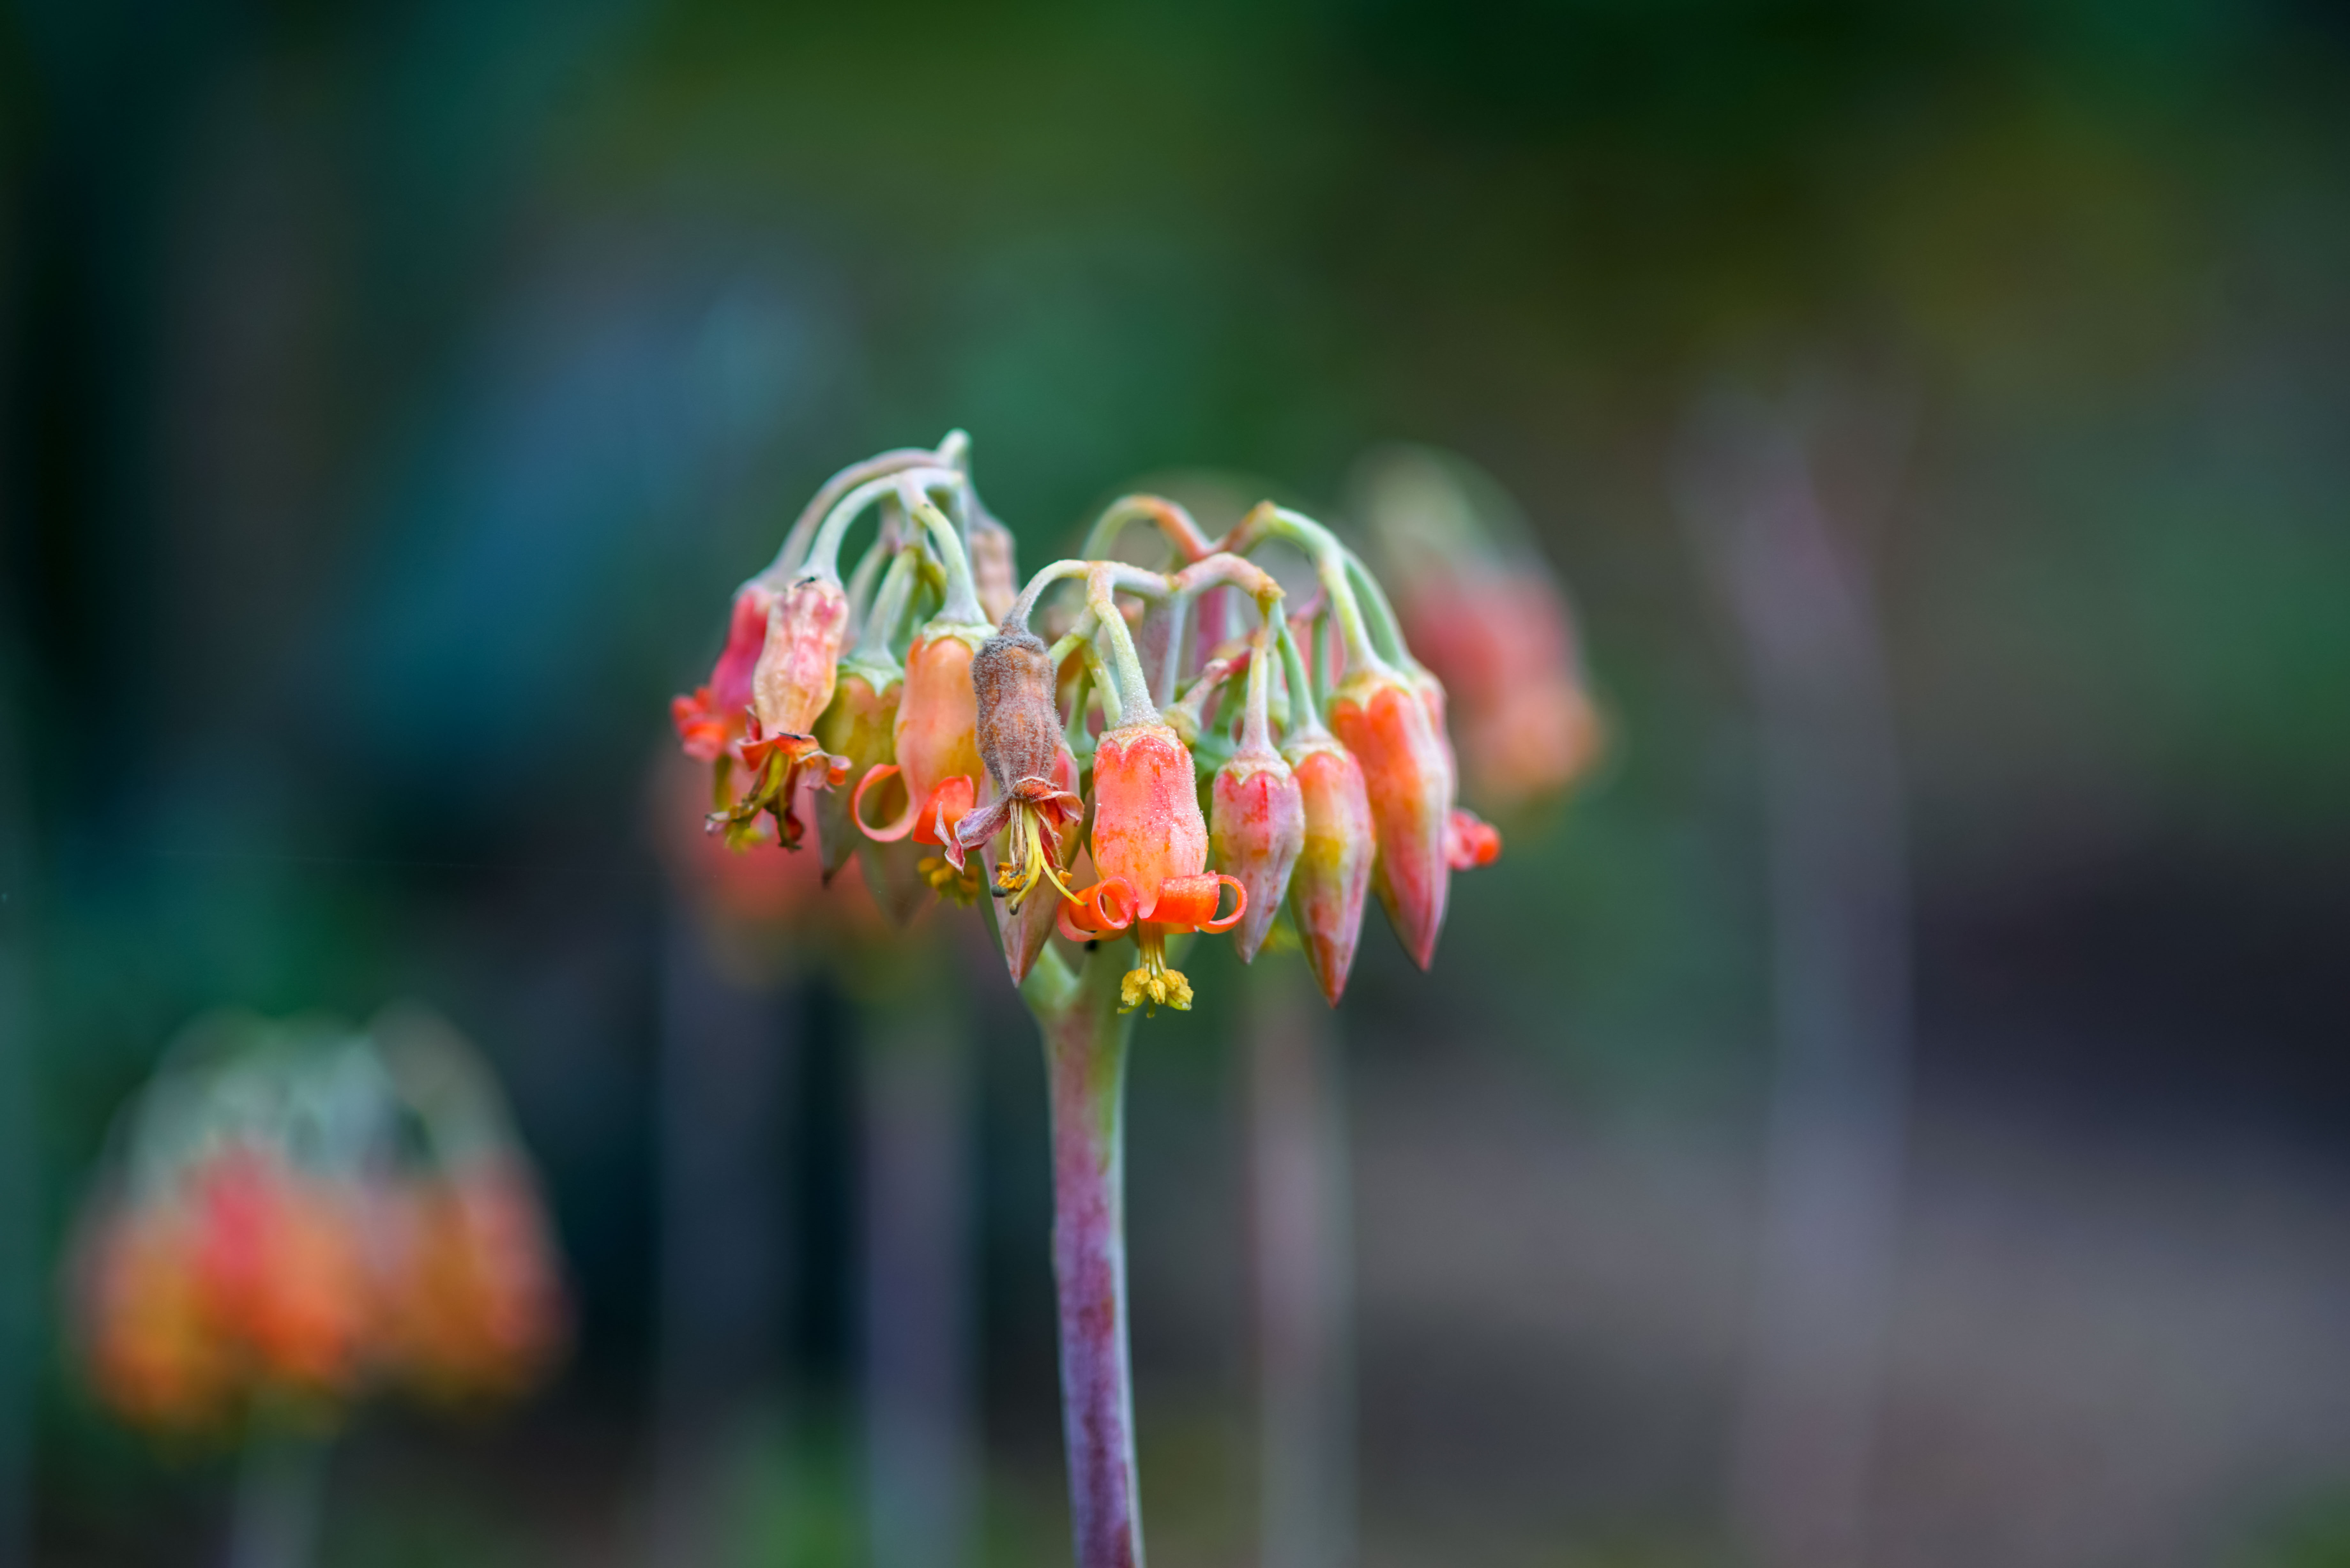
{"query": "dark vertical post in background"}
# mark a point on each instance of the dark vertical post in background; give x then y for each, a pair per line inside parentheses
(1798, 598)
(727, 1048)
(918, 1289)
(20, 1252)
(1302, 1273)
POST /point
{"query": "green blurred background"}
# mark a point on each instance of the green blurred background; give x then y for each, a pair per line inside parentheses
(395, 391)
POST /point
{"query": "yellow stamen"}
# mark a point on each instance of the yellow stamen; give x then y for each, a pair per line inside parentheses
(1030, 859)
(963, 885)
(770, 794)
(1153, 985)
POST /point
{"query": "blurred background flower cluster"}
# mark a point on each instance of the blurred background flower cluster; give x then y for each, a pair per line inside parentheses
(1937, 411)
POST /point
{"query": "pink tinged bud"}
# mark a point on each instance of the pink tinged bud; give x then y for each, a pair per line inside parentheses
(800, 661)
(933, 737)
(1434, 697)
(938, 719)
(712, 716)
(1258, 830)
(790, 688)
(1540, 737)
(746, 637)
(1332, 874)
(1407, 777)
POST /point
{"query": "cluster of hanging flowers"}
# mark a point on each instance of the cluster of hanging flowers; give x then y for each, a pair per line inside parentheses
(1480, 605)
(296, 1215)
(1159, 752)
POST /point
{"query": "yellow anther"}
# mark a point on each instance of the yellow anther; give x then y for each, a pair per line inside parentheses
(1153, 985)
(963, 886)
(1030, 862)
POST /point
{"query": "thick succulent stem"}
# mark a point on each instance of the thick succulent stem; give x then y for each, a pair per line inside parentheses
(1085, 1067)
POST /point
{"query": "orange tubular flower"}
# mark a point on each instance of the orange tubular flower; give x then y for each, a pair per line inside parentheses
(1388, 722)
(938, 752)
(1150, 847)
(711, 720)
(1333, 874)
(790, 688)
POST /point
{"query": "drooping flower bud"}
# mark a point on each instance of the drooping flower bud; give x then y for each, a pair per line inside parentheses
(1386, 722)
(1332, 874)
(1258, 826)
(1259, 831)
(800, 661)
(790, 688)
(1502, 645)
(1479, 605)
(938, 719)
(935, 741)
(711, 720)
